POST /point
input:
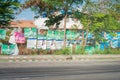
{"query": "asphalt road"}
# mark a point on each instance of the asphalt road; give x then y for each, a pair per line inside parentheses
(84, 70)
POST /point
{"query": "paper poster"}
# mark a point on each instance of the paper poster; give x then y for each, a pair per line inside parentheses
(39, 44)
(31, 43)
(44, 45)
(42, 34)
(30, 32)
(50, 34)
(48, 44)
(16, 50)
(53, 45)
(71, 35)
(12, 39)
(59, 44)
(118, 35)
(7, 49)
(2, 34)
(114, 43)
(19, 37)
(59, 35)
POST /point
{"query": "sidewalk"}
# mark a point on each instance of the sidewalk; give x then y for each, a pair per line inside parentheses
(38, 58)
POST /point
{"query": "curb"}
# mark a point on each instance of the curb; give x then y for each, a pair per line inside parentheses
(38, 58)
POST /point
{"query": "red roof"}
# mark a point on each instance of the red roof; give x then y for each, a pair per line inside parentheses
(22, 23)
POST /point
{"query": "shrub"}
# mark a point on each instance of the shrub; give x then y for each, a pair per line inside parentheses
(80, 51)
(64, 51)
(107, 51)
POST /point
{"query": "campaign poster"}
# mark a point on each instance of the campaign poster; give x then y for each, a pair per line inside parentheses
(42, 34)
(39, 44)
(8, 49)
(19, 37)
(31, 43)
(12, 39)
(48, 44)
(59, 44)
(50, 34)
(2, 33)
(30, 32)
(53, 45)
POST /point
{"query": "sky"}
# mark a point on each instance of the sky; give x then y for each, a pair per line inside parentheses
(26, 14)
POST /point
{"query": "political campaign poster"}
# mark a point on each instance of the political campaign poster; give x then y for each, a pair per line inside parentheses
(12, 39)
(19, 37)
(114, 43)
(61, 34)
(16, 50)
(53, 45)
(118, 35)
(50, 34)
(39, 44)
(71, 35)
(48, 44)
(30, 32)
(42, 34)
(2, 33)
(58, 35)
(44, 44)
(31, 43)
(8, 49)
(59, 44)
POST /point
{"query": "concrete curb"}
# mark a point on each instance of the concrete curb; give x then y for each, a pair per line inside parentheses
(38, 58)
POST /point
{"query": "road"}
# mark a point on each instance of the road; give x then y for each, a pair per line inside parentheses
(79, 70)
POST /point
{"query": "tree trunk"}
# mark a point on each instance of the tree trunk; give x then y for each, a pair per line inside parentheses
(65, 18)
(86, 37)
(83, 39)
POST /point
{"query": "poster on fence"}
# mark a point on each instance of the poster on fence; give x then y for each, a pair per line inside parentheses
(50, 34)
(59, 44)
(71, 35)
(48, 44)
(30, 32)
(44, 45)
(19, 37)
(58, 35)
(53, 45)
(2, 34)
(39, 44)
(8, 49)
(31, 43)
(12, 39)
(114, 43)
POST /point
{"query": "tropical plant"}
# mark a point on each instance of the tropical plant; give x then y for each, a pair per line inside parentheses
(8, 8)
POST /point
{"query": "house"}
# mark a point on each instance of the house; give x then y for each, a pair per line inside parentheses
(22, 24)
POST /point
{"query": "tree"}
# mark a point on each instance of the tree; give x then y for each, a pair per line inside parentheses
(98, 16)
(54, 6)
(8, 8)
(38, 6)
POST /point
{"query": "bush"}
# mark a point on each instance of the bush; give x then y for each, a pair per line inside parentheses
(80, 51)
(64, 51)
(107, 51)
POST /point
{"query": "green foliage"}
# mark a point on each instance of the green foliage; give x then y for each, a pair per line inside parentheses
(7, 11)
(53, 19)
(80, 51)
(64, 51)
(107, 51)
